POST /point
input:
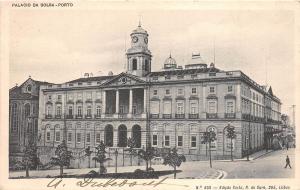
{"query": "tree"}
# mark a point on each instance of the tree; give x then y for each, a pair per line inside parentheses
(30, 158)
(131, 145)
(284, 118)
(101, 157)
(147, 155)
(231, 135)
(209, 137)
(174, 160)
(88, 153)
(62, 157)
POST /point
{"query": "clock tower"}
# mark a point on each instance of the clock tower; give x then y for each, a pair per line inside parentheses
(138, 55)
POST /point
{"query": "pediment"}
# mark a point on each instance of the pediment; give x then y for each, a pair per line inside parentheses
(124, 79)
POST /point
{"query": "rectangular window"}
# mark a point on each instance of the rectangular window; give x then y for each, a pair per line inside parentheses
(59, 98)
(194, 90)
(180, 108)
(167, 107)
(79, 110)
(229, 107)
(49, 97)
(58, 110)
(167, 91)
(78, 137)
(167, 140)
(180, 141)
(79, 96)
(154, 107)
(70, 96)
(97, 137)
(154, 92)
(193, 108)
(229, 88)
(48, 136)
(180, 92)
(57, 136)
(193, 141)
(212, 107)
(69, 137)
(88, 95)
(154, 140)
(212, 89)
(98, 95)
(88, 137)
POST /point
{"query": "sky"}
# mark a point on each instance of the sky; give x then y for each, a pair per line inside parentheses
(59, 46)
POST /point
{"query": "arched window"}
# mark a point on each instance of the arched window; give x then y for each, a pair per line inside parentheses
(49, 110)
(122, 136)
(14, 117)
(109, 135)
(58, 110)
(29, 88)
(27, 110)
(79, 110)
(136, 135)
(134, 64)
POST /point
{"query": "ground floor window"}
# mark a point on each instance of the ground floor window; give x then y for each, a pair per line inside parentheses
(78, 138)
(57, 136)
(69, 137)
(98, 138)
(179, 141)
(154, 140)
(88, 137)
(193, 141)
(167, 140)
(48, 136)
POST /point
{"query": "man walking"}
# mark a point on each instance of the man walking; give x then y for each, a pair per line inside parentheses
(287, 161)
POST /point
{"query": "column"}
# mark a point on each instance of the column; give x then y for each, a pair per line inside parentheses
(130, 101)
(117, 102)
(145, 100)
(104, 102)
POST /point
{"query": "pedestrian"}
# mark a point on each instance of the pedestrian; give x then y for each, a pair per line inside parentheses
(287, 161)
(287, 146)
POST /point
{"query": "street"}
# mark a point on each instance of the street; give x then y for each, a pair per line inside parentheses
(270, 165)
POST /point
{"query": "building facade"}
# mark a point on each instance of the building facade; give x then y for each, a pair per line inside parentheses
(23, 116)
(164, 109)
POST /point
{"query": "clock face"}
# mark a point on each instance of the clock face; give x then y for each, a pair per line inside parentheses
(146, 40)
(134, 39)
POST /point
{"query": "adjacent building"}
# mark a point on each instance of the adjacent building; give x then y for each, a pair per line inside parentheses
(164, 109)
(23, 116)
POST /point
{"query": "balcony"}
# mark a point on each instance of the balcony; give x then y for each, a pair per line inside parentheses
(167, 116)
(57, 116)
(109, 115)
(246, 116)
(179, 116)
(193, 116)
(97, 116)
(230, 115)
(88, 116)
(154, 116)
(211, 115)
(78, 116)
(69, 116)
(48, 116)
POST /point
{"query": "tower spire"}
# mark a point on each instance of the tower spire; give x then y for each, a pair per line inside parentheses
(140, 22)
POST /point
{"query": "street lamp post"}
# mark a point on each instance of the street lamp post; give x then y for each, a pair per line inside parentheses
(247, 148)
(116, 157)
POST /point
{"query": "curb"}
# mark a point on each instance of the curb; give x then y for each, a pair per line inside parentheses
(222, 175)
(263, 154)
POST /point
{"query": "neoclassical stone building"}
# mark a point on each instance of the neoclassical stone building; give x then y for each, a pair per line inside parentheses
(164, 109)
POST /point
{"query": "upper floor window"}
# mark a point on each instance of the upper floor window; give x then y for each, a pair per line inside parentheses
(167, 77)
(27, 110)
(70, 96)
(193, 108)
(58, 110)
(14, 117)
(70, 110)
(49, 110)
(194, 90)
(98, 110)
(78, 137)
(79, 110)
(89, 110)
(49, 97)
(57, 136)
(89, 95)
(154, 92)
(29, 88)
(48, 135)
(229, 88)
(167, 91)
(59, 98)
(79, 96)
(147, 65)
(180, 91)
(212, 89)
(88, 137)
(167, 107)
(134, 64)
(167, 140)
(212, 107)
(229, 107)
(180, 108)
(193, 141)
(69, 137)
(98, 95)
(154, 140)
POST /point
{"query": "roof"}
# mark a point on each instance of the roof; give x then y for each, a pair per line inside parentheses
(183, 72)
(16, 93)
(90, 79)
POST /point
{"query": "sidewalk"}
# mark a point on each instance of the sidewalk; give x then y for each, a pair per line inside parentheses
(253, 156)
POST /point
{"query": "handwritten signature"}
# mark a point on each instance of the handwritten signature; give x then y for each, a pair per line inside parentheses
(91, 182)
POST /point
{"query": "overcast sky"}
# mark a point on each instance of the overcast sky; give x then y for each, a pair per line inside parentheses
(58, 46)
